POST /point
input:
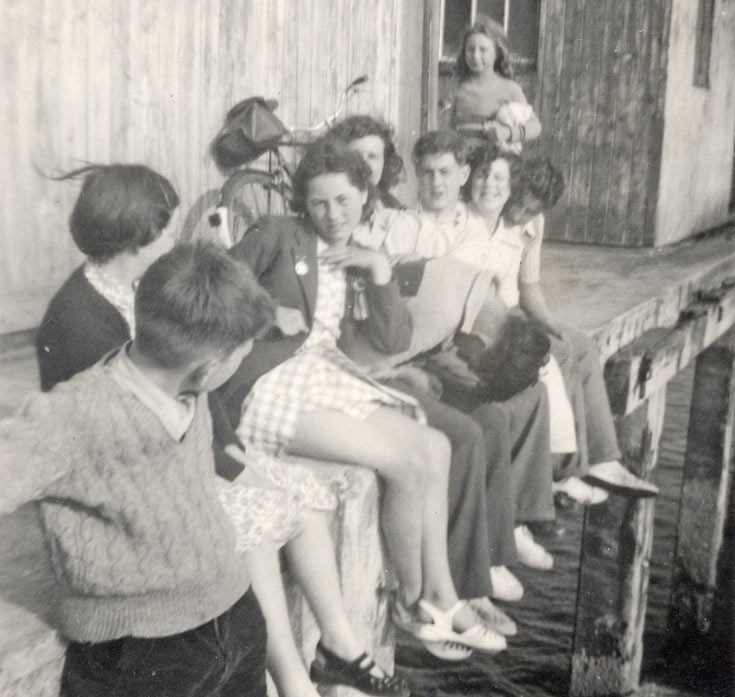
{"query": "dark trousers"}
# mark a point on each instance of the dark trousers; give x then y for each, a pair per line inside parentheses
(480, 508)
(519, 465)
(468, 536)
(583, 378)
(222, 658)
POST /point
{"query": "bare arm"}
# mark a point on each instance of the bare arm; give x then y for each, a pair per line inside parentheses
(533, 303)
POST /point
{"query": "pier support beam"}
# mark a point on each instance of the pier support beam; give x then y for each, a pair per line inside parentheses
(613, 582)
(616, 544)
(705, 500)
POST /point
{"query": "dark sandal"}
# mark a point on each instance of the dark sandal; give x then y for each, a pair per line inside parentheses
(330, 669)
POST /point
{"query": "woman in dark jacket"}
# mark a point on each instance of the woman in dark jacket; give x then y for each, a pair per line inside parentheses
(299, 393)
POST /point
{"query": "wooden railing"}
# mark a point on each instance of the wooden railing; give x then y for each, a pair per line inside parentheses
(608, 644)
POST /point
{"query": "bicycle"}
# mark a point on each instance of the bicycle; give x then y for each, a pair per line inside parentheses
(251, 192)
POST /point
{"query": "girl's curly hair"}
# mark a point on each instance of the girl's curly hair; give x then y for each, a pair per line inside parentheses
(361, 126)
(493, 31)
(481, 159)
(538, 178)
(325, 156)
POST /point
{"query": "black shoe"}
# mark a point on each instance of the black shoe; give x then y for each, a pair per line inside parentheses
(330, 669)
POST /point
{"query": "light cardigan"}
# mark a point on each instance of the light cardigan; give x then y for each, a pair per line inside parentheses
(138, 540)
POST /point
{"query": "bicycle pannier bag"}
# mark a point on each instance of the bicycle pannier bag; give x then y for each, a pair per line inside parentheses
(251, 128)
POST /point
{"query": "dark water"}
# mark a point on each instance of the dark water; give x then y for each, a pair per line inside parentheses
(537, 662)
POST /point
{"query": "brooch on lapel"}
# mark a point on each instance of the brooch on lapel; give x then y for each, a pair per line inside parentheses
(360, 309)
(301, 267)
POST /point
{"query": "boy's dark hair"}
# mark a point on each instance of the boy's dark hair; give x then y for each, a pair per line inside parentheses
(539, 178)
(361, 126)
(494, 31)
(440, 143)
(119, 208)
(482, 158)
(196, 300)
(326, 156)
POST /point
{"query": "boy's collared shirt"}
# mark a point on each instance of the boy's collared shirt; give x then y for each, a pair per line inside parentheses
(176, 415)
(459, 234)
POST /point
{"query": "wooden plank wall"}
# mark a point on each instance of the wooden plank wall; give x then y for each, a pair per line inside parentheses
(600, 100)
(150, 80)
(697, 164)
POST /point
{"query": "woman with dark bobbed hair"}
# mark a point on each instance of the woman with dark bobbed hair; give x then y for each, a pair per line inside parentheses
(122, 222)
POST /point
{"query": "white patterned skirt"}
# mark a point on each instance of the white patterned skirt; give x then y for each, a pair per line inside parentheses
(318, 378)
(260, 515)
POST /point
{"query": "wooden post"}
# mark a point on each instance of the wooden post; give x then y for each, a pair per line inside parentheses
(704, 500)
(430, 75)
(613, 581)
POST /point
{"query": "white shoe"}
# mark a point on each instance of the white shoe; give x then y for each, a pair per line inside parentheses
(437, 642)
(505, 584)
(578, 490)
(614, 475)
(530, 552)
(493, 617)
(478, 637)
(447, 650)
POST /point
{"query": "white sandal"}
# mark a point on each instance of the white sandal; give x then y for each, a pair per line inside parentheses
(447, 650)
(434, 639)
(478, 637)
(433, 632)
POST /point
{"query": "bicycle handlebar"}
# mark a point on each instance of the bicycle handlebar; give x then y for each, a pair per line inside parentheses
(330, 120)
(357, 82)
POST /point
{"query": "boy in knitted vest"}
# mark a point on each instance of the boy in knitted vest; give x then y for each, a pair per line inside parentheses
(154, 599)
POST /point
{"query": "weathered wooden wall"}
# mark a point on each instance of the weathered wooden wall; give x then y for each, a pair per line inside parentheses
(149, 81)
(697, 162)
(600, 98)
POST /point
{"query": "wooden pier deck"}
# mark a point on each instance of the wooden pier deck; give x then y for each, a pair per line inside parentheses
(614, 294)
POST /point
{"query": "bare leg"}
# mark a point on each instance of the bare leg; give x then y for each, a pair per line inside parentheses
(413, 461)
(311, 558)
(396, 447)
(282, 657)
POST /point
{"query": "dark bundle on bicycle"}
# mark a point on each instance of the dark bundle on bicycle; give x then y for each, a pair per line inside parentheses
(251, 129)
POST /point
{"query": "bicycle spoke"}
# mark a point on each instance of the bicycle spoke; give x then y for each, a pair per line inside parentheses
(250, 195)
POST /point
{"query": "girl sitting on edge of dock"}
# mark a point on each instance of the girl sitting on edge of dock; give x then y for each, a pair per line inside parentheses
(508, 437)
(512, 252)
(300, 394)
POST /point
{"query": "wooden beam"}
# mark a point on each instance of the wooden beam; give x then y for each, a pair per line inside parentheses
(648, 363)
(613, 581)
(430, 74)
(705, 500)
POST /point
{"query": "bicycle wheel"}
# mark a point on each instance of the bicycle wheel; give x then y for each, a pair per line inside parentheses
(249, 195)
(200, 222)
